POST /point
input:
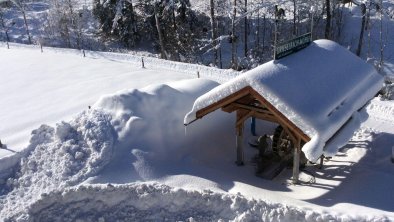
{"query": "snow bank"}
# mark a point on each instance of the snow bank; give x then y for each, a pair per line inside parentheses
(149, 125)
(124, 138)
(156, 202)
(60, 157)
(318, 89)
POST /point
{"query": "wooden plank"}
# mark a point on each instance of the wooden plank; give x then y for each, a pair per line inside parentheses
(250, 107)
(223, 102)
(229, 108)
(266, 117)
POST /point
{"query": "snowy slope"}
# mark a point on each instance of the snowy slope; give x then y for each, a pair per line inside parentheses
(130, 158)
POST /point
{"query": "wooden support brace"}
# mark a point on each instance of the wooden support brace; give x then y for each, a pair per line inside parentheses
(241, 119)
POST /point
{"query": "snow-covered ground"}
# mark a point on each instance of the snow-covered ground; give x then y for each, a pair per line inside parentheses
(130, 158)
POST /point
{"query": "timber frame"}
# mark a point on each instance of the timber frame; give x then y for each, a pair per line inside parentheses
(249, 103)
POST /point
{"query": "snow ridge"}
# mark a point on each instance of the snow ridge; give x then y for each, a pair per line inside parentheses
(158, 202)
(60, 158)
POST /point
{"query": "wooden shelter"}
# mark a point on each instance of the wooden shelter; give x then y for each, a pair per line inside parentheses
(249, 103)
(315, 95)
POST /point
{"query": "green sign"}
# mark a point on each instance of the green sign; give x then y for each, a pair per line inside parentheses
(292, 46)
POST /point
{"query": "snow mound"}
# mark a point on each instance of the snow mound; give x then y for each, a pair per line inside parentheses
(61, 157)
(157, 202)
(149, 125)
(123, 139)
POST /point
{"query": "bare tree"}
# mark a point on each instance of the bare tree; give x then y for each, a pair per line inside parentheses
(381, 35)
(294, 17)
(214, 34)
(161, 40)
(246, 30)
(327, 32)
(22, 7)
(233, 37)
(360, 41)
(5, 28)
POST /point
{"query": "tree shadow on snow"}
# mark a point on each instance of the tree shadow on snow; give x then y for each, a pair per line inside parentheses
(368, 182)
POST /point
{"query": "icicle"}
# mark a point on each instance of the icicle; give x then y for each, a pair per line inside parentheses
(185, 130)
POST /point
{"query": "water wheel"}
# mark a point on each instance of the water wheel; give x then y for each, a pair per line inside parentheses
(283, 147)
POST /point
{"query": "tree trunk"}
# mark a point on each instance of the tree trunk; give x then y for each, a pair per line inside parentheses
(294, 18)
(246, 30)
(360, 41)
(173, 16)
(161, 41)
(381, 37)
(264, 29)
(214, 36)
(132, 18)
(233, 45)
(26, 26)
(5, 30)
(258, 29)
(328, 21)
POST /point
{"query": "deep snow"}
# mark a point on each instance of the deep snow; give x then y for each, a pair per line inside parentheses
(130, 157)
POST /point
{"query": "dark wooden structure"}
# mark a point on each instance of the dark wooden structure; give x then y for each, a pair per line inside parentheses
(249, 103)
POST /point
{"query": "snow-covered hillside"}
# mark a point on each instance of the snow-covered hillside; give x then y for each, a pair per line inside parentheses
(129, 157)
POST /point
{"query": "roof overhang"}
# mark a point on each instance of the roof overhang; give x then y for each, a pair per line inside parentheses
(252, 104)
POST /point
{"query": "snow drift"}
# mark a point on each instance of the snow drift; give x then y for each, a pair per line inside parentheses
(61, 157)
(125, 137)
(157, 202)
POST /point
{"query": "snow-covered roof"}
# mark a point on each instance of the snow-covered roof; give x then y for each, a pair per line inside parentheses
(318, 89)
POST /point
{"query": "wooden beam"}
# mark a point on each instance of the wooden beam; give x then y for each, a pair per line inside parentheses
(223, 102)
(229, 104)
(236, 105)
(250, 107)
(229, 108)
(244, 115)
(266, 117)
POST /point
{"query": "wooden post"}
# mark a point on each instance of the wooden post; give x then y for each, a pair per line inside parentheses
(296, 161)
(240, 151)
(239, 125)
(321, 162)
(142, 62)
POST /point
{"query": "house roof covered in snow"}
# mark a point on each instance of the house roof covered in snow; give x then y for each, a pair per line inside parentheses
(317, 90)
